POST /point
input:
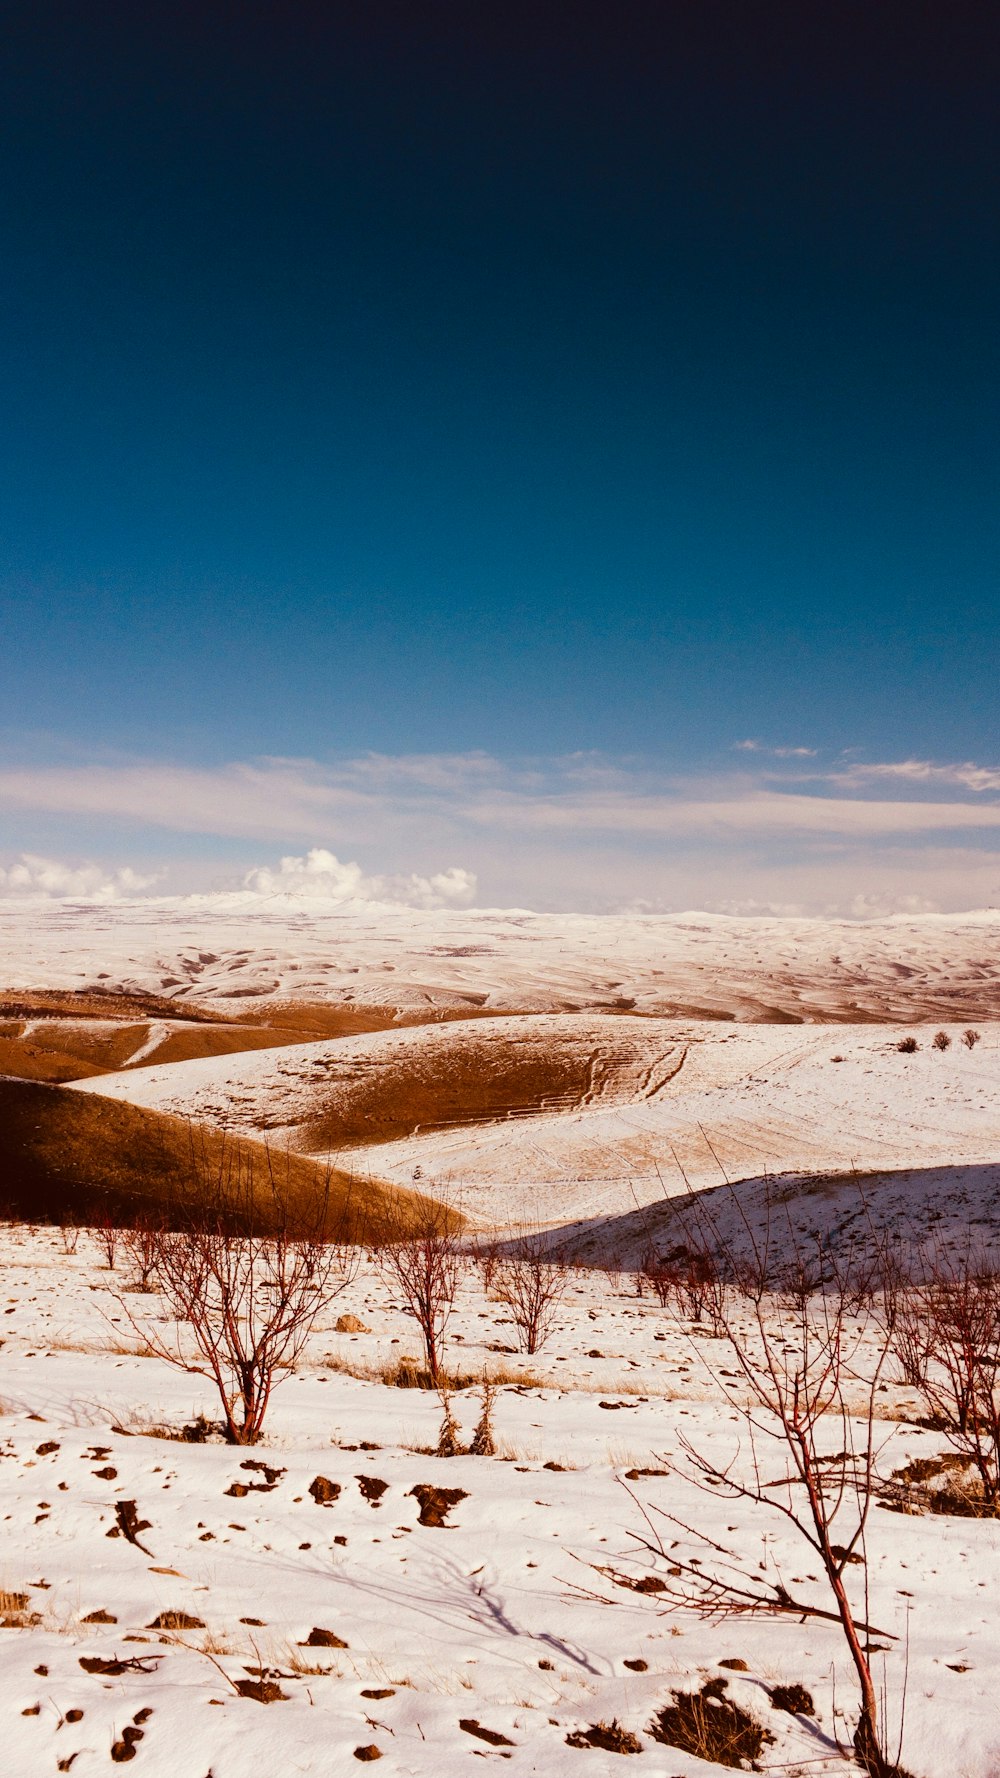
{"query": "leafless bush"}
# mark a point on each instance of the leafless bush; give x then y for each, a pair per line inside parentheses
(140, 1243)
(656, 1273)
(941, 1041)
(69, 1235)
(243, 1304)
(970, 1038)
(107, 1234)
(909, 1343)
(907, 1046)
(487, 1257)
(422, 1260)
(956, 1306)
(530, 1283)
(450, 1436)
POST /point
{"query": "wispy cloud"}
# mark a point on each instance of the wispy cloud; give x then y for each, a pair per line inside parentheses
(579, 830)
(963, 776)
(751, 746)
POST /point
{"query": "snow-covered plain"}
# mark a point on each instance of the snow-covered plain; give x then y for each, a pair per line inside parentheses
(498, 1618)
(222, 951)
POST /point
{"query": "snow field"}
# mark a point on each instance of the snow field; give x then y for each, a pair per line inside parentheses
(490, 1618)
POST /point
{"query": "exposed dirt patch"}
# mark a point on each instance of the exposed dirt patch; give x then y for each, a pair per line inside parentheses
(493, 1738)
(609, 1737)
(436, 1503)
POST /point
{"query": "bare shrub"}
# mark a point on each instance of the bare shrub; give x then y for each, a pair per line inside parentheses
(69, 1235)
(243, 1303)
(970, 1038)
(957, 1309)
(655, 1272)
(530, 1283)
(487, 1257)
(909, 1342)
(941, 1041)
(422, 1260)
(107, 1234)
(450, 1436)
(907, 1046)
(140, 1242)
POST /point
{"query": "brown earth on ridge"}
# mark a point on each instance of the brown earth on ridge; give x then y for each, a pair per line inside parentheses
(51, 1035)
(466, 1078)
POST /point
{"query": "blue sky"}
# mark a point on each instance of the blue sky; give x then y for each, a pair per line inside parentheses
(433, 419)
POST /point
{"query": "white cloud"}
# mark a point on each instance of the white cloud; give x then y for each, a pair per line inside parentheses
(962, 776)
(50, 878)
(321, 876)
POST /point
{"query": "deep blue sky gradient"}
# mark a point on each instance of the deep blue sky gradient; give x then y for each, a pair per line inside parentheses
(436, 377)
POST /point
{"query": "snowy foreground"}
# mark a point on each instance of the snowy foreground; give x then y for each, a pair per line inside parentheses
(496, 1621)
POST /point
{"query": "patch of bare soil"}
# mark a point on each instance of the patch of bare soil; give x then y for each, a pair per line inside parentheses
(75, 1155)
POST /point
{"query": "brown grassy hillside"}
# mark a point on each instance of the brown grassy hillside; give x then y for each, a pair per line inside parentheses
(76, 1156)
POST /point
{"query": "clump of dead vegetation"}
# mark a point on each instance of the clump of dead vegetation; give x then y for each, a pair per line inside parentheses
(712, 1727)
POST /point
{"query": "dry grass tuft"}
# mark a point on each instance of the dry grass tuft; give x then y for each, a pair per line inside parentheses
(711, 1726)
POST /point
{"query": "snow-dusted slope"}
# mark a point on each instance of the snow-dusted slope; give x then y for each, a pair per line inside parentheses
(236, 951)
(624, 1109)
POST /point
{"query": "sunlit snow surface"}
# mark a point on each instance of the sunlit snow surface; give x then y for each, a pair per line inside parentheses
(492, 1618)
(225, 950)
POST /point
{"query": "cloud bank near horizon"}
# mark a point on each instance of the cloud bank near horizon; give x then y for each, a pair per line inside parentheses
(783, 832)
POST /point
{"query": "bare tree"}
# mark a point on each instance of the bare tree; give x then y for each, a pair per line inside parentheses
(140, 1241)
(955, 1309)
(69, 1234)
(806, 1365)
(421, 1258)
(530, 1280)
(655, 1271)
(107, 1234)
(245, 1289)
